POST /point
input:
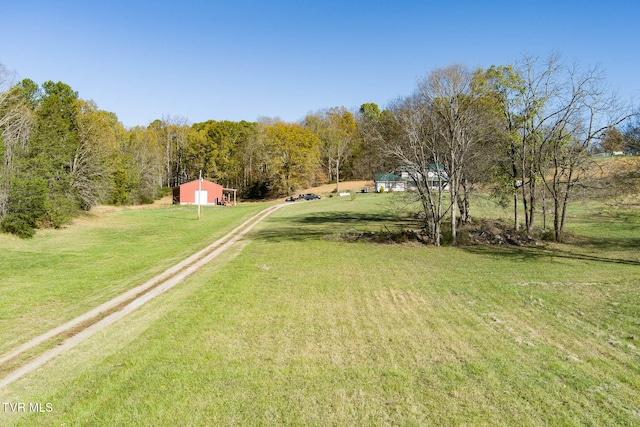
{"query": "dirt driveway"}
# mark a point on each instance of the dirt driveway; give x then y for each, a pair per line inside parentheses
(93, 321)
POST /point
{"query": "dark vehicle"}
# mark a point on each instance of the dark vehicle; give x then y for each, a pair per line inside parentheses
(291, 199)
(309, 196)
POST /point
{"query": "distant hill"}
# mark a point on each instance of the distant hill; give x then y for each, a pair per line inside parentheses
(615, 180)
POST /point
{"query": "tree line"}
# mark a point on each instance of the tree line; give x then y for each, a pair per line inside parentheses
(526, 131)
(520, 129)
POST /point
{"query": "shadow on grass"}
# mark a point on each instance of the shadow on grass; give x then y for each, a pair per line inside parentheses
(566, 251)
(349, 217)
(319, 225)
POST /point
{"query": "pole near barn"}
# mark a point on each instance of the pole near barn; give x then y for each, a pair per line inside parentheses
(199, 193)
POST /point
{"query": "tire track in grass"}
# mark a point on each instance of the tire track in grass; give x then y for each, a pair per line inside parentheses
(84, 326)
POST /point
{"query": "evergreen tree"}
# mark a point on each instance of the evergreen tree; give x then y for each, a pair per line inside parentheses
(52, 147)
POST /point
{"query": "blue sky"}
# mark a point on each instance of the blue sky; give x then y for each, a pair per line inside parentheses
(241, 60)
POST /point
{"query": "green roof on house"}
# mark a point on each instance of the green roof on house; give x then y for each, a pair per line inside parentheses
(386, 177)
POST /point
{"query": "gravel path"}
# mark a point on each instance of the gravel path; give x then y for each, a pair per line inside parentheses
(84, 326)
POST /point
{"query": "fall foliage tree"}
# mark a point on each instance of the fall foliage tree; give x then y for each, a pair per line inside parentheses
(612, 141)
(292, 157)
(337, 129)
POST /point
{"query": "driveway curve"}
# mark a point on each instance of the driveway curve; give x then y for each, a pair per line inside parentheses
(95, 320)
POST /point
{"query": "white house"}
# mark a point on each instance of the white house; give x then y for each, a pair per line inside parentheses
(404, 178)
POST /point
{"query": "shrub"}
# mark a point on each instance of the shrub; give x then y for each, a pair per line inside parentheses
(18, 225)
(548, 236)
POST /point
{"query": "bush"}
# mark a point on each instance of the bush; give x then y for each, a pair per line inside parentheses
(18, 225)
(60, 210)
(165, 191)
(548, 236)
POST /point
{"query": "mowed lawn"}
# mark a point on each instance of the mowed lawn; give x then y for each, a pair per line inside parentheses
(60, 274)
(303, 328)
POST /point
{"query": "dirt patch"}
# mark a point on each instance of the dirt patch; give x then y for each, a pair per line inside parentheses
(344, 186)
(165, 201)
(96, 213)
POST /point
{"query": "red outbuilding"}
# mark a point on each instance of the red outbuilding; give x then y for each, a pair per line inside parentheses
(207, 192)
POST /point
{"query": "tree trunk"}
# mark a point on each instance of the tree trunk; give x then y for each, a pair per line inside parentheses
(516, 226)
(463, 203)
(525, 206)
(532, 203)
(338, 175)
(557, 226)
(454, 218)
(514, 171)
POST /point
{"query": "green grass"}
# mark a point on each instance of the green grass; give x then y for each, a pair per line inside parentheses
(60, 274)
(303, 329)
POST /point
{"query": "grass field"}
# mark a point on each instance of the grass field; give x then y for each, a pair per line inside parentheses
(62, 273)
(302, 328)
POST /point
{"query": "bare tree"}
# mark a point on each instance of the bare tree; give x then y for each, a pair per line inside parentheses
(16, 119)
(457, 119)
(416, 147)
(172, 132)
(553, 114)
(439, 134)
(580, 113)
(523, 92)
(337, 130)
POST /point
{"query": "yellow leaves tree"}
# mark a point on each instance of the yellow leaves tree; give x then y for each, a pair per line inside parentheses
(93, 161)
(292, 157)
(338, 132)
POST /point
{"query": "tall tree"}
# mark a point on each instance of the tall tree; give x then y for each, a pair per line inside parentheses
(52, 147)
(576, 118)
(93, 161)
(336, 127)
(457, 117)
(219, 150)
(294, 153)
(375, 127)
(139, 170)
(172, 134)
(612, 141)
(554, 113)
(417, 148)
(502, 86)
(16, 118)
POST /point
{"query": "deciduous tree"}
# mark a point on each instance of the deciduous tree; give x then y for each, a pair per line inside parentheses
(16, 119)
(93, 162)
(554, 113)
(457, 118)
(336, 127)
(612, 141)
(293, 157)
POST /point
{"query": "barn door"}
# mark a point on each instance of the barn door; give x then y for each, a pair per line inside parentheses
(201, 197)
